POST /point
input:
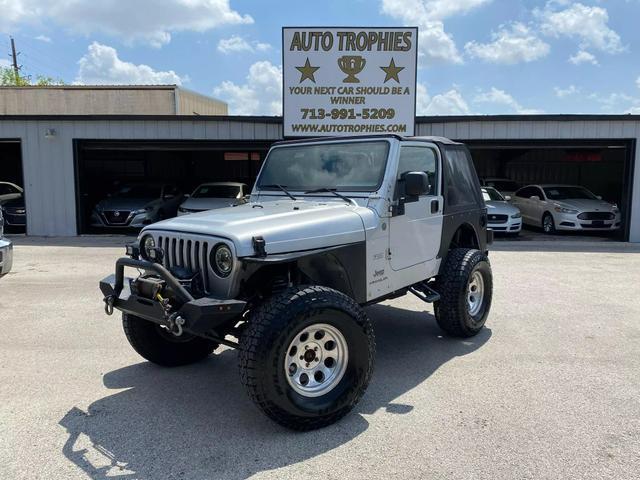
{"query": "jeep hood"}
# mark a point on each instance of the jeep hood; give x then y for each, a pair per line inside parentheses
(286, 226)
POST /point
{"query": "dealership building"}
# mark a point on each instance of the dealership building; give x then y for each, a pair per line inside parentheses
(69, 147)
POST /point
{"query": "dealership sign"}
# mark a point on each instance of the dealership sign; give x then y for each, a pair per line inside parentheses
(349, 81)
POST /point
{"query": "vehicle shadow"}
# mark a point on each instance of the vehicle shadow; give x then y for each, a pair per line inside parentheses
(197, 421)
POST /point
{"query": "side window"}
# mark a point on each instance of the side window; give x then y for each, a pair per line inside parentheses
(419, 159)
(170, 190)
(539, 193)
(524, 192)
(461, 181)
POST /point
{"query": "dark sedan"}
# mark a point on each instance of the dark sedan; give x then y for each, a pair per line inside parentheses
(14, 213)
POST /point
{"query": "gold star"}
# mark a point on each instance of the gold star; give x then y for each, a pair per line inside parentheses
(307, 71)
(392, 72)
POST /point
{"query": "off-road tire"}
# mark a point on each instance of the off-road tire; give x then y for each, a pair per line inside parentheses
(146, 338)
(264, 344)
(452, 310)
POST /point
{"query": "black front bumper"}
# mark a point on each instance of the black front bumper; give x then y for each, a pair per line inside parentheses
(201, 315)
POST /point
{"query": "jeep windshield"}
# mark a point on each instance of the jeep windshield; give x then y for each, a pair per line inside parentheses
(349, 166)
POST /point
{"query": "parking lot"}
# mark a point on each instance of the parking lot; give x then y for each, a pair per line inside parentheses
(551, 389)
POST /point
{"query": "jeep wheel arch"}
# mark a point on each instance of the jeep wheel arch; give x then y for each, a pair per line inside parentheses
(334, 267)
(461, 233)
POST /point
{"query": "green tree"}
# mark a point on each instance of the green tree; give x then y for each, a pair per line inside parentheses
(9, 78)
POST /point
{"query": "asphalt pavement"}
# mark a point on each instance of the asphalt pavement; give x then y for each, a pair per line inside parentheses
(549, 390)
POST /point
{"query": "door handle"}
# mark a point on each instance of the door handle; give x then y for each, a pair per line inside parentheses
(435, 205)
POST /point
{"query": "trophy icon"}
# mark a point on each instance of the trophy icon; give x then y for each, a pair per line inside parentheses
(351, 65)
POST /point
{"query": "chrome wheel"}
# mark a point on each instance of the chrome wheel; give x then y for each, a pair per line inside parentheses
(547, 224)
(316, 360)
(475, 293)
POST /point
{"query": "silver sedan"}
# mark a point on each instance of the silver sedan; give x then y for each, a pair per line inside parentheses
(566, 207)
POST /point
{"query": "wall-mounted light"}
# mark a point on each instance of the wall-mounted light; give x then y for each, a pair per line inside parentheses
(50, 133)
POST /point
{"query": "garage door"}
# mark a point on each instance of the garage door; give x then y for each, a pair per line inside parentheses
(602, 167)
(106, 169)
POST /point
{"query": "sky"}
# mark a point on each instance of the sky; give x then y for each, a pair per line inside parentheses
(475, 56)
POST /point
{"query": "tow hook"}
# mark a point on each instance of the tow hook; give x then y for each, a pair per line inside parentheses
(176, 323)
(108, 304)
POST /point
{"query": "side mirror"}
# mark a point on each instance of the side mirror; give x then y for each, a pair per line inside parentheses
(187, 195)
(599, 197)
(507, 198)
(168, 196)
(534, 197)
(416, 184)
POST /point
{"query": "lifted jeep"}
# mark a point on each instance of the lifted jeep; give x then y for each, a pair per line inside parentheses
(333, 225)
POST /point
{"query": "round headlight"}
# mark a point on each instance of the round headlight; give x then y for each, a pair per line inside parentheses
(147, 244)
(222, 260)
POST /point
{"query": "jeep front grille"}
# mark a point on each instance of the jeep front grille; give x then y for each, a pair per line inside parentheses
(187, 253)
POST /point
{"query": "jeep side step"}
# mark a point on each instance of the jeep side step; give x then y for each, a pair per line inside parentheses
(424, 292)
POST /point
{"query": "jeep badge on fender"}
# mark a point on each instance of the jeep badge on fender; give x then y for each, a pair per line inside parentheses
(333, 225)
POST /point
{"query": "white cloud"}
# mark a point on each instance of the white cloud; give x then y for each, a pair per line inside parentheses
(260, 95)
(144, 21)
(583, 57)
(429, 9)
(615, 101)
(448, 103)
(102, 66)
(588, 24)
(4, 63)
(43, 38)
(237, 44)
(638, 82)
(566, 92)
(435, 45)
(510, 44)
(501, 98)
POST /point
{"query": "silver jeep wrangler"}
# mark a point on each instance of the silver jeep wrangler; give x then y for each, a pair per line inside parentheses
(333, 225)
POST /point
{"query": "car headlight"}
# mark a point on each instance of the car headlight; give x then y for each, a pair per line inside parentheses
(147, 244)
(516, 215)
(140, 211)
(222, 260)
(565, 210)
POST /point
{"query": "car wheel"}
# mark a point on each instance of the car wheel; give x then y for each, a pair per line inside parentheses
(548, 225)
(306, 356)
(161, 347)
(465, 286)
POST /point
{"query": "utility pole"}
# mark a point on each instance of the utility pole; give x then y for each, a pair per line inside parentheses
(14, 56)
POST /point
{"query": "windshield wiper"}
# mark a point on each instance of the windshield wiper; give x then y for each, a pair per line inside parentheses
(281, 187)
(332, 191)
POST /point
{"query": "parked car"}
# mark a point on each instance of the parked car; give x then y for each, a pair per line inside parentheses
(501, 215)
(15, 213)
(565, 207)
(333, 225)
(137, 205)
(505, 186)
(6, 250)
(9, 191)
(210, 196)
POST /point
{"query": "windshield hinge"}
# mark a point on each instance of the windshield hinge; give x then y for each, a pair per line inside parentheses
(259, 246)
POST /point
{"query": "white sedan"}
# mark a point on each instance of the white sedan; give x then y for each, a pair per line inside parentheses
(565, 207)
(502, 216)
(9, 191)
(210, 196)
